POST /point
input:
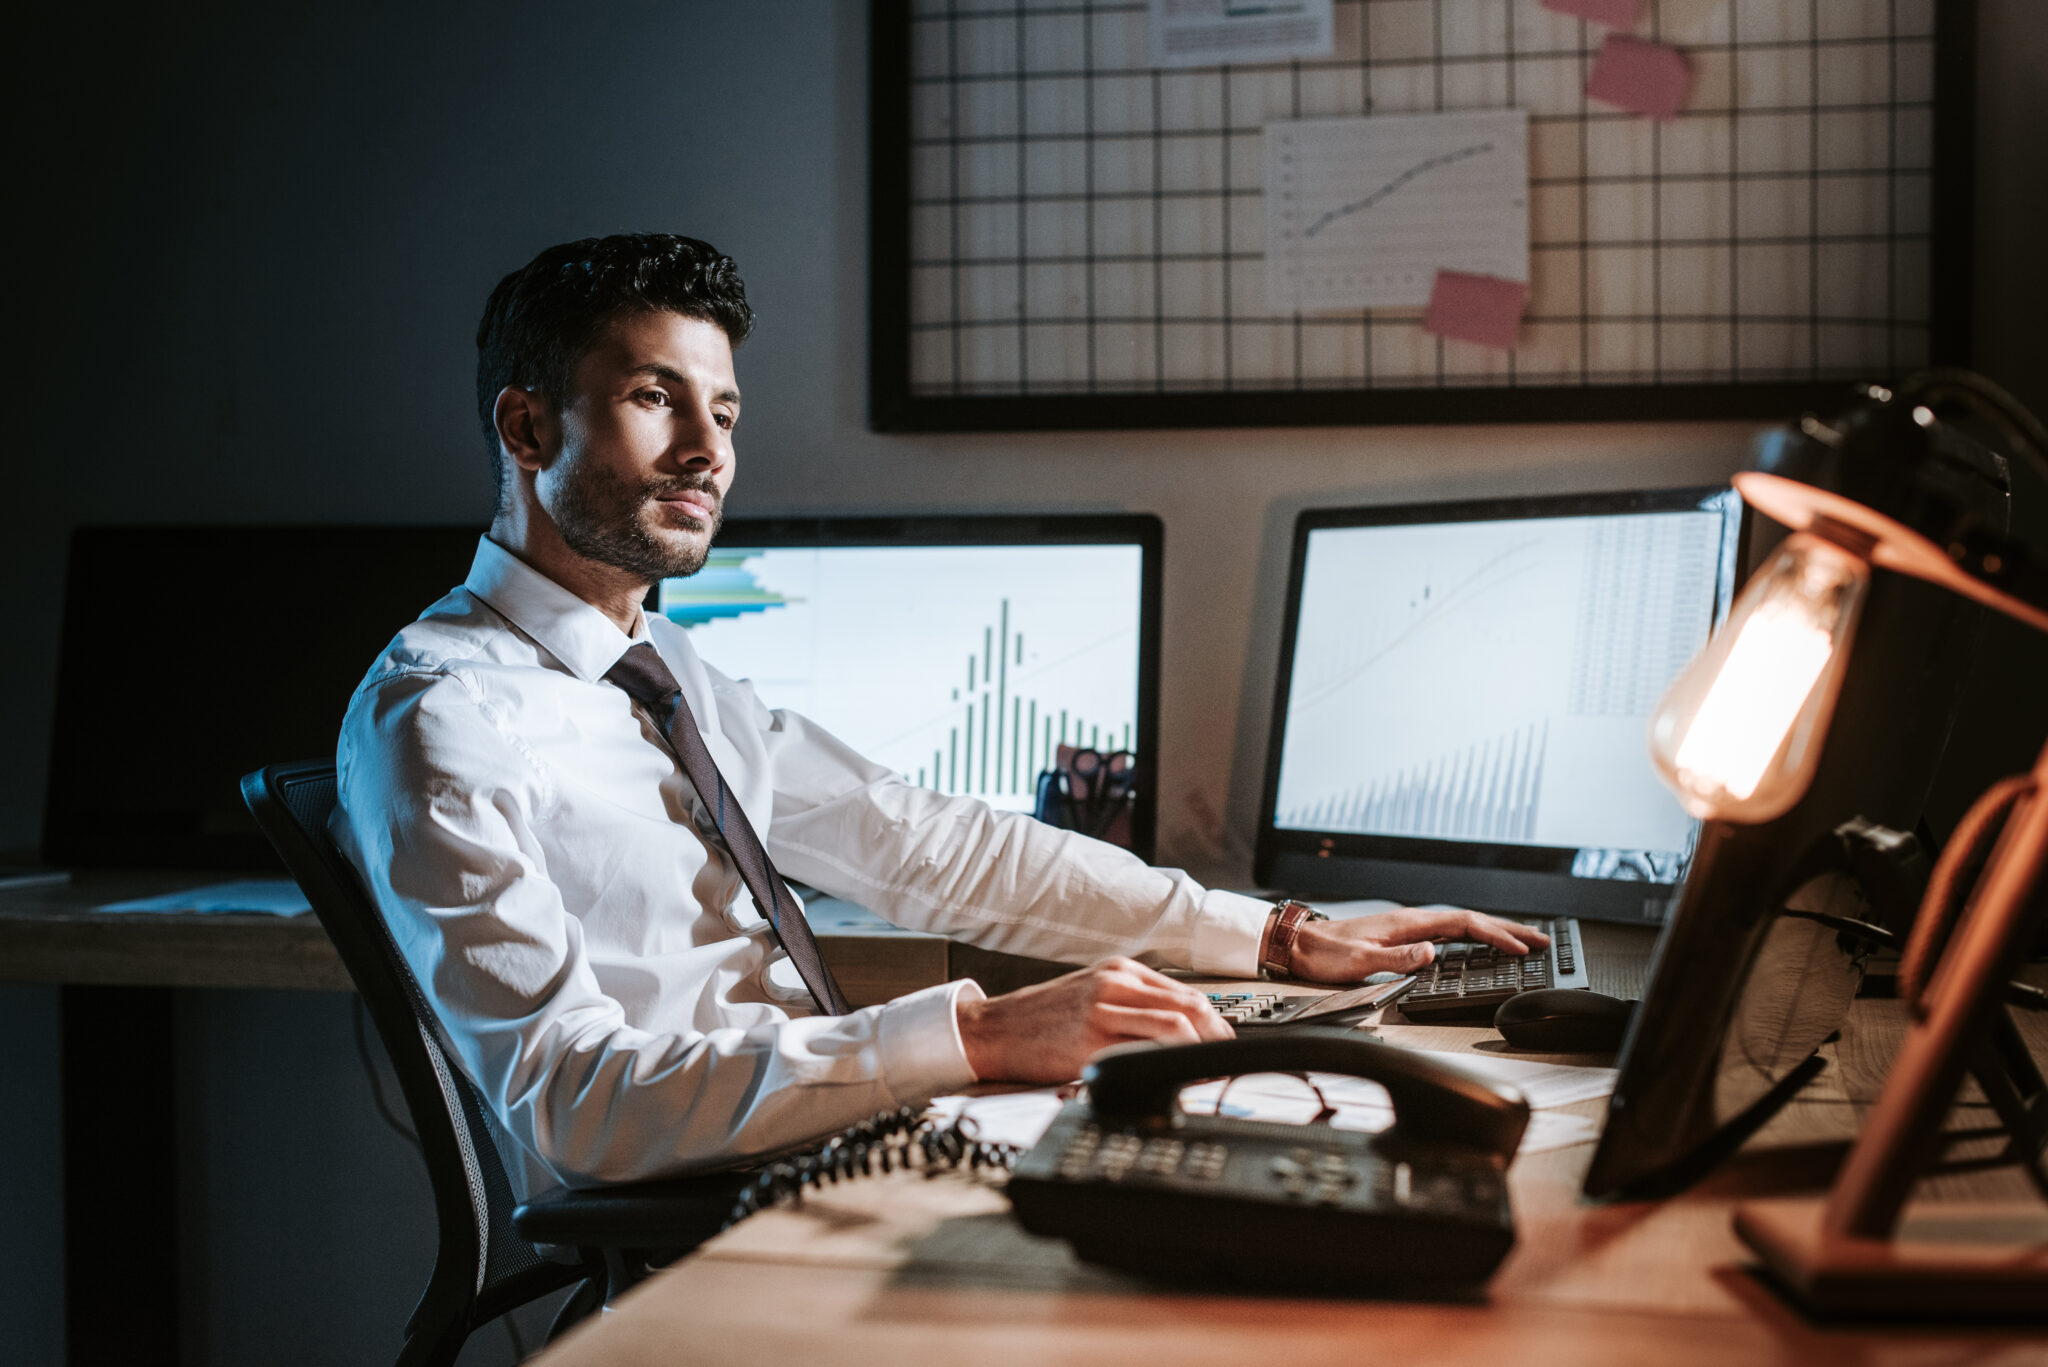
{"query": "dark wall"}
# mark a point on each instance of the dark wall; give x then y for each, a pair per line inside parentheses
(250, 244)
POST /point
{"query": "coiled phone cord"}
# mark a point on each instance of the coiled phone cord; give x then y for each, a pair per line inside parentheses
(904, 1138)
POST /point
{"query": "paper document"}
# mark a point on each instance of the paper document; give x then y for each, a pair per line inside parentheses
(1544, 1084)
(1612, 13)
(1014, 1118)
(1019, 1118)
(1217, 32)
(1363, 213)
(273, 896)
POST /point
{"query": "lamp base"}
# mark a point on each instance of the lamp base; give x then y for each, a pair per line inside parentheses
(1942, 1262)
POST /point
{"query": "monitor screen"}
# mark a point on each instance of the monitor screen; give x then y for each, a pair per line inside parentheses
(959, 652)
(1468, 686)
(193, 655)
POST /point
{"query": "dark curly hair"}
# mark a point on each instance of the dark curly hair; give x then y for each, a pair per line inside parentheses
(543, 317)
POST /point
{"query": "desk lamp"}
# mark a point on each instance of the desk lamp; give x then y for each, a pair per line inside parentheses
(1738, 736)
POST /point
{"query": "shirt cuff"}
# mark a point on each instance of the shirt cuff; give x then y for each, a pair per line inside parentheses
(1227, 935)
(922, 1052)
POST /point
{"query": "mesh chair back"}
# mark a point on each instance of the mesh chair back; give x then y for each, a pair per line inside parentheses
(472, 1194)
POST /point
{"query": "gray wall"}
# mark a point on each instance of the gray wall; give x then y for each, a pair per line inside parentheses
(257, 245)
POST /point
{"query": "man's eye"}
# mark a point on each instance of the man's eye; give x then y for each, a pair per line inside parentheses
(727, 420)
(657, 397)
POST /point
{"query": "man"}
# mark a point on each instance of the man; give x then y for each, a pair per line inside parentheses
(517, 790)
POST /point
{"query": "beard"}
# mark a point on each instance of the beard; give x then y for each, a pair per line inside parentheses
(610, 518)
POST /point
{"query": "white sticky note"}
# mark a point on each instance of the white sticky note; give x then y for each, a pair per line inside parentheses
(1219, 32)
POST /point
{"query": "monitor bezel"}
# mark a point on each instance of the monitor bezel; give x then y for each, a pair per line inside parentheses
(1528, 880)
(1143, 530)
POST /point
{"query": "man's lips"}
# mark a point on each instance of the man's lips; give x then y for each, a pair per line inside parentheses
(703, 507)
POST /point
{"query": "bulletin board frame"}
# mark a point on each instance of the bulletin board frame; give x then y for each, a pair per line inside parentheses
(899, 403)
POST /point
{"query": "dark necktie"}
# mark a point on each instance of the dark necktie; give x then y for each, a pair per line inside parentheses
(645, 678)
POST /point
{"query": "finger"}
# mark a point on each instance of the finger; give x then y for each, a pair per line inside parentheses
(1367, 960)
(1168, 995)
(1133, 1023)
(1414, 923)
(1133, 984)
(1132, 971)
(1146, 987)
(1516, 939)
(1460, 923)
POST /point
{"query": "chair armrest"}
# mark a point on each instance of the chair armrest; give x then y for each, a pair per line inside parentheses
(674, 1215)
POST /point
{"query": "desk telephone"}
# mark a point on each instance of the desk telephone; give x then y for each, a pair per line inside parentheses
(1134, 1182)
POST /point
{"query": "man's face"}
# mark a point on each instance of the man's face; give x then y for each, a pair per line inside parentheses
(646, 454)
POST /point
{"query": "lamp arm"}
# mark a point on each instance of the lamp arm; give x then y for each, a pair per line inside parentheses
(2016, 570)
(2024, 432)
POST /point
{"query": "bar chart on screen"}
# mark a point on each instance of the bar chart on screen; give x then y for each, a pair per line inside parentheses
(962, 668)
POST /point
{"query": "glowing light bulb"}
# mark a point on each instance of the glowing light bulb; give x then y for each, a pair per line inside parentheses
(1738, 734)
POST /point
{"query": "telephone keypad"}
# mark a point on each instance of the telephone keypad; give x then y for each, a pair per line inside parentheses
(1205, 1161)
(1112, 1157)
(1312, 1176)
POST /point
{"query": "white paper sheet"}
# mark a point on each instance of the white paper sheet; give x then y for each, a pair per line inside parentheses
(1019, 1118)
(1546, 1085)
(1362, 213)
(1362, 1105)
(1215, 32)
(272, 896)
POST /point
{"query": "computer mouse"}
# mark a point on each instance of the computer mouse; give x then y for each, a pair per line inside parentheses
(1563, 1020)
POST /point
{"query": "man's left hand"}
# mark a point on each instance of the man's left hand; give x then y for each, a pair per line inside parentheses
(1399, 941)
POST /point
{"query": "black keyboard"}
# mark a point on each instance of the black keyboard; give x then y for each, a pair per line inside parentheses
(1468, 982)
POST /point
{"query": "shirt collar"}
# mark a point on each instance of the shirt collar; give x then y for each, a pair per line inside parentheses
(587, 642)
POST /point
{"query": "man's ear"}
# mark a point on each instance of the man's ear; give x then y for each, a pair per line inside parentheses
(527, 427)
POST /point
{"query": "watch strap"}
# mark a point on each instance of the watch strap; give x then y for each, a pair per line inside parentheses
(1278, 960)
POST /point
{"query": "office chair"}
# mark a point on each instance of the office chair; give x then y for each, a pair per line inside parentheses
(490, 1258)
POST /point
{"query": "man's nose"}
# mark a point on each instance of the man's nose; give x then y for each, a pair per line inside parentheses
(699, 442)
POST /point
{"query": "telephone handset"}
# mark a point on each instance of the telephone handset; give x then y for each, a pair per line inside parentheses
(1134, 1182)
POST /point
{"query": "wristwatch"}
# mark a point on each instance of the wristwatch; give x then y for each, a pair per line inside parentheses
(1277, 961)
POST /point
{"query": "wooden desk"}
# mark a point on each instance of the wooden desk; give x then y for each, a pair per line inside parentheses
(903, 1269)
(56, 934)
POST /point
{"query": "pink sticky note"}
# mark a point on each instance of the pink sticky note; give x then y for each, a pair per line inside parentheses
(1640, 76)
(1476, 308)
(1612, 13)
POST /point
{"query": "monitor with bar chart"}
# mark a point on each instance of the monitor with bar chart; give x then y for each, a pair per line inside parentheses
(960, 652)
(1464, 694)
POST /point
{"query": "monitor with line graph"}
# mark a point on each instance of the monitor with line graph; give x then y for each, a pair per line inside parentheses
(1464, 693)
(959, 651)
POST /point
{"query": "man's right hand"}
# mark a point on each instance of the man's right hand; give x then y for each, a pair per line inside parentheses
(1048, 1032)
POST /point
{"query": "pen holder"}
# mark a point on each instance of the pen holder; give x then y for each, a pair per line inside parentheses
(1109, 821)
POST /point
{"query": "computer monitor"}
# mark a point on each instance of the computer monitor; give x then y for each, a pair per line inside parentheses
(960, 652)
(1464, 691)
(193, 655)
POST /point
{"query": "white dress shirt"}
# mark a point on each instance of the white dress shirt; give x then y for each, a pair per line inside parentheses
(588, 946)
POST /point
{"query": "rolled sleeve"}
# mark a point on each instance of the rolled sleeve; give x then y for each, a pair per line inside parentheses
(922, 1052)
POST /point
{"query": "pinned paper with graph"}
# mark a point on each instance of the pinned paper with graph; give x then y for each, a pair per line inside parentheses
(1362, 213)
